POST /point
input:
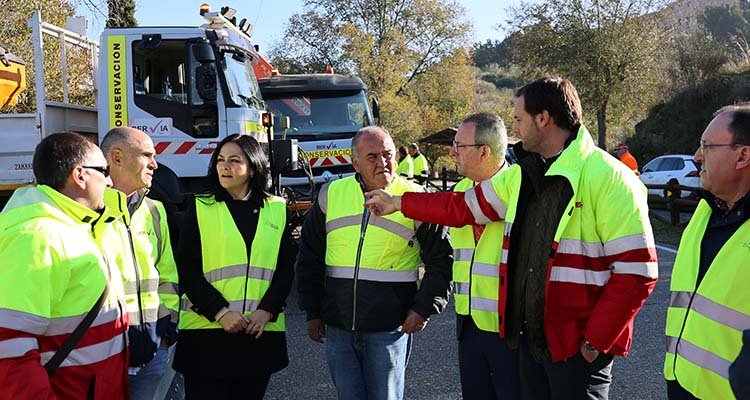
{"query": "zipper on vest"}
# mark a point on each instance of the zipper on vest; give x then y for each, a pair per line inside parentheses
(682, 330)
(362, 230)
(471, 277)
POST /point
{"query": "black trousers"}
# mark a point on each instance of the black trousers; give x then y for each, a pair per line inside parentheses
(489, 368)
(676, 392)
(572, 379)
(247, 388)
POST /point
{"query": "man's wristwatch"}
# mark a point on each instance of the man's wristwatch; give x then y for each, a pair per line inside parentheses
(589, 347)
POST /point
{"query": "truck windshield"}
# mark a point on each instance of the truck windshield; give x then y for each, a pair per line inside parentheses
(321, 113)
(243, 87)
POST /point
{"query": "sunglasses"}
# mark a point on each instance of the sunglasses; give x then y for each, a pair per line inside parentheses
(104, 170)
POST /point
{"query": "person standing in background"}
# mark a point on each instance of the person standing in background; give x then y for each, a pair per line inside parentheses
(405, 164)
(421, 166)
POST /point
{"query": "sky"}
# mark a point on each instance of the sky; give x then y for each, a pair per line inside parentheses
(269, 17)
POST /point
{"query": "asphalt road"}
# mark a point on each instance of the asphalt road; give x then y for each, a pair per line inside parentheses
(432, 372)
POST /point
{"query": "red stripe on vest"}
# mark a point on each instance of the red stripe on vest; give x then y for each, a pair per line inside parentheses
(603, 263)
(484, 205)
(95, 334)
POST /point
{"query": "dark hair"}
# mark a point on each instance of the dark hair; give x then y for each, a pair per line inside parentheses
(489, 129)
(258, 164)
(413, 146)
(740, 123)
(402, 153)
(556, 95)
(56, 156)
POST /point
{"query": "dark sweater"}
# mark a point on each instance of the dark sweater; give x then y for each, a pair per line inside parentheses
(722, 224)
(541, 204)
(214, 353)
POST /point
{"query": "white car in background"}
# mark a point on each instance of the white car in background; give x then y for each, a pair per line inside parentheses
(678, 166)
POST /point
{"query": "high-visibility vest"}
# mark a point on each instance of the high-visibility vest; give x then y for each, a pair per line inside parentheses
(421, 166)
(406, 167)
(225, 263)
(604, 233)
(56, 273)
(705, 324)
(389, 252)
(156, 276)
(476, 270)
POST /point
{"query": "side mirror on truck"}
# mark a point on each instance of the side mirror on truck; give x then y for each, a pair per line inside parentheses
(204, 53)
(376, 110)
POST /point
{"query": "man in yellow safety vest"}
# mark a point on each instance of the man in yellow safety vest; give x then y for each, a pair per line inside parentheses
(709, 307)
(151, 283)
(488, 367)
(62, 311)
(358, 275)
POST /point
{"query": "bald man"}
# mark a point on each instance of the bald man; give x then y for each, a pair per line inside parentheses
(151, 286)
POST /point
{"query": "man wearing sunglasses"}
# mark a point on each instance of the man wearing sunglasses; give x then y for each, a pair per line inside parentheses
(709, 305)
(151, 283)
(62, 329)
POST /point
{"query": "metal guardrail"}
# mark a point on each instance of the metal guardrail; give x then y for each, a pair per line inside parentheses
(675, 201)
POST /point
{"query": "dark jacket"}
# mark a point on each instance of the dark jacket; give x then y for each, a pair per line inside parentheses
(541, 204)
(214, 353)
(381, 306)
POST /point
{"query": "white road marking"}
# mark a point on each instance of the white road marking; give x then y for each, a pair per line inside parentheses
(667, 249)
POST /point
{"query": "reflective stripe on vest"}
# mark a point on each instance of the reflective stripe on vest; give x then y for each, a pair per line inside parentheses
(89, 354)
(705, 324)
(225, 265)
(476, 273)
(369, 274)
(390, 252)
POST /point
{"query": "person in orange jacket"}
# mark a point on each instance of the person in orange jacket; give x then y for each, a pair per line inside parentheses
(622, 151)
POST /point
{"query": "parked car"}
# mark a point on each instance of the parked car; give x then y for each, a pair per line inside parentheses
(678, 166)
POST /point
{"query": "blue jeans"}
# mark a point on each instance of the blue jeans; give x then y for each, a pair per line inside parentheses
(367, 365)
(143, 385)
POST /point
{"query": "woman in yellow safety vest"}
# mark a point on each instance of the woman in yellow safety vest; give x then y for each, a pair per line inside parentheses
(236, 270)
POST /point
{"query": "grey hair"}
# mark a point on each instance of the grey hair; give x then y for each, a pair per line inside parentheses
(367, 130)
(489, 129)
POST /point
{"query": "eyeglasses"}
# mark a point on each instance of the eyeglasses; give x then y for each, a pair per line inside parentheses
(703, 146)
(104, 170)
(458, 146)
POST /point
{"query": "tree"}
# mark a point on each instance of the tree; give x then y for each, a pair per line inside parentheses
(730, 25)
(697, 58)
(381, 40)
(15, 36)
(121, 14)
(492, 52)
(610, 49)
(393, 45)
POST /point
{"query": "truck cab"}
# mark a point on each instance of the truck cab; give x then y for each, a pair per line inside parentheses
(186, 87)
(325, 111)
